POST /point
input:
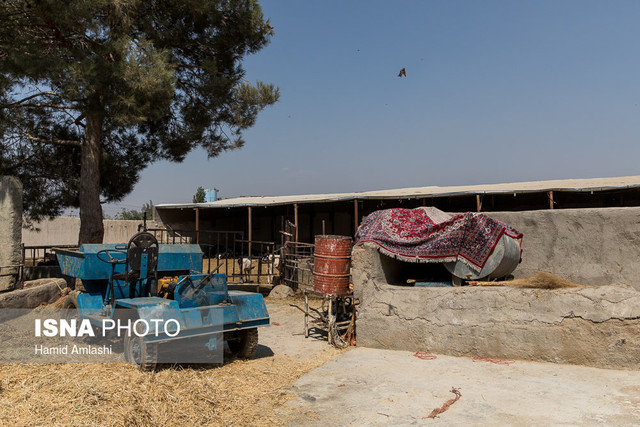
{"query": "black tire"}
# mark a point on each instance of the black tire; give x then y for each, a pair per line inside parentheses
(70, 311)
(70, 306)
(245, 345)
(145, 355)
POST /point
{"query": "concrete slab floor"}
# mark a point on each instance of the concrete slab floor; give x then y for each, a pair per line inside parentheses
(384, 387)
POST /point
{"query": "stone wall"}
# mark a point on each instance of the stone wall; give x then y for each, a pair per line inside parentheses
(10, 229)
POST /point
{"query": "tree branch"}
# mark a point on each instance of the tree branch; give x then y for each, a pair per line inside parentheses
(59, 107)
(54, 141)
(31, 97)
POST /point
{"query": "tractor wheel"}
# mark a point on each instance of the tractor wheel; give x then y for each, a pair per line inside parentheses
(245, 345)
(145, 355)
(70, 306)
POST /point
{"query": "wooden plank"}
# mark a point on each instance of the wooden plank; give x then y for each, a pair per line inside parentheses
(355, 216)
(250, 231)
(197, 225)
(295, 219)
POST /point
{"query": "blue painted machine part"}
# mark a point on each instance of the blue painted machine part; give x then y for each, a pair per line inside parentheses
(84, 264)
(195, 291)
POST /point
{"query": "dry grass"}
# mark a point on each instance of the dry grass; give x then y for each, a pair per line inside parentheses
(242, 392)
(239, 393)
(541, 280)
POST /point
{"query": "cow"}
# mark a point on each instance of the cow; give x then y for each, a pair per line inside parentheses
(273, 262)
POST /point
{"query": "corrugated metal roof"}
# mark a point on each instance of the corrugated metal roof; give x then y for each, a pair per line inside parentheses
(592, 184)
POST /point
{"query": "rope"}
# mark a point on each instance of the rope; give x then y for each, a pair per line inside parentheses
(446, 405)
(424, 355)
(58, 285)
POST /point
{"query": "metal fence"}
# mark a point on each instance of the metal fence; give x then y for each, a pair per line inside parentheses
(242, 261)
(39, 261)
(298, 265)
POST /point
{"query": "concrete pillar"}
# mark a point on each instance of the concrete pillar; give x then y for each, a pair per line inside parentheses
(10, 231)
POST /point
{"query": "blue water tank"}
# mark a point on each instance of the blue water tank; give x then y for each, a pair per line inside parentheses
(211, 195)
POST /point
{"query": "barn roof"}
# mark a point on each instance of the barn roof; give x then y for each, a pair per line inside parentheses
(575, 185)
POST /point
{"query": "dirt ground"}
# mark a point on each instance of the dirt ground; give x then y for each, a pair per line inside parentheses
(382, 387)
(298, 381)
(250, 392)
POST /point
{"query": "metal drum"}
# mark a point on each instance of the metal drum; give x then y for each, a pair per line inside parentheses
(502, 261)
(332, 264)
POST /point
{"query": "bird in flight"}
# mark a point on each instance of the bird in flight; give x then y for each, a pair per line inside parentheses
(402, 73)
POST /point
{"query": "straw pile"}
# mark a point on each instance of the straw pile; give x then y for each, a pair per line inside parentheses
(541, 280)
(239, 393)
(250, 392)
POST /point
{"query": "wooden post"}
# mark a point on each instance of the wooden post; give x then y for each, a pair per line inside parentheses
(355, 216)
(550, 199)
(197, 225)
(295, 219)
(478, 203)
(250, 234)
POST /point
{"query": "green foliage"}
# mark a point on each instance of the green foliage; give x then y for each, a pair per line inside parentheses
(199, 196)
(161, 77)
(133, 214)
(126, 214)
(148, 209)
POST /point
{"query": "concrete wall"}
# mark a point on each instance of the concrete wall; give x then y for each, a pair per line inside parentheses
(64, 231)
(10, 228)
(586, 246)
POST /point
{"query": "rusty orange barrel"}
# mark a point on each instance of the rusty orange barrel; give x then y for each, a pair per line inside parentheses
(332, 264)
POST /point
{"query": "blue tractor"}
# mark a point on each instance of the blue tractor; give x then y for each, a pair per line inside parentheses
(145, 282)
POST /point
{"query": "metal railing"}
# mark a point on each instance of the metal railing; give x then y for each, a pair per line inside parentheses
(242, 261)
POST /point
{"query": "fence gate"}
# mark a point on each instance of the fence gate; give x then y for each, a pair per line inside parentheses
(297, 259)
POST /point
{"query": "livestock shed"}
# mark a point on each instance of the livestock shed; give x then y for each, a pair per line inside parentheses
(262, 218)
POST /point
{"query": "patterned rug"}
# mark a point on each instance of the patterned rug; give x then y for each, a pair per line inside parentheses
(430, 235)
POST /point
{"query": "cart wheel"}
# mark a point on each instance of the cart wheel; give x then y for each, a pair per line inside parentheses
(245, 345)
(145, 355)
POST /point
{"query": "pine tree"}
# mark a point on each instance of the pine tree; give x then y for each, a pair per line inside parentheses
(199, 196)
(93, 91)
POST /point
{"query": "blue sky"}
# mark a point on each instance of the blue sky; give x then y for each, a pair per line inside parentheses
(496, 91)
